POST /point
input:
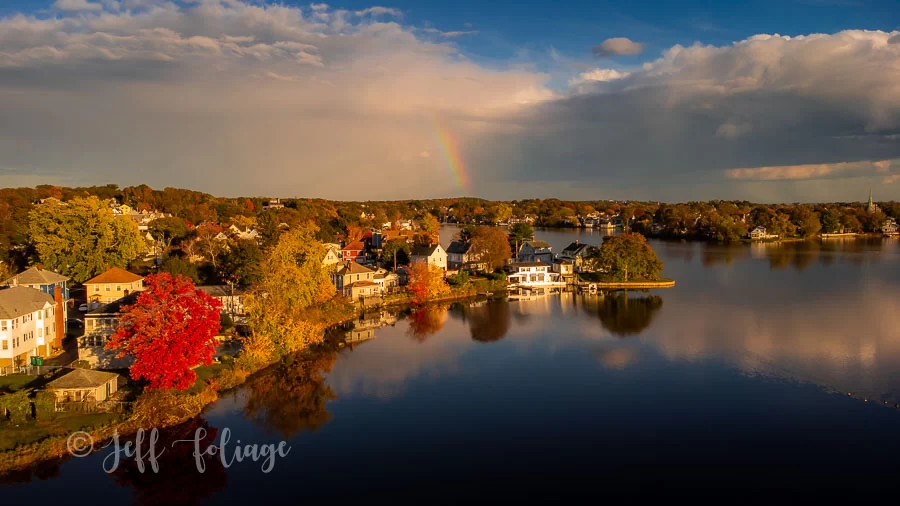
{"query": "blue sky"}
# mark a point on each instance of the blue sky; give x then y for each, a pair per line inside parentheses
(492, 99)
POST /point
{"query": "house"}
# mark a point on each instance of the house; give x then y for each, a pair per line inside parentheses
(576, 253)
(759, 233)
(531, 274)
(51, 283)
(28, 325)
(244, 233)
(99, 324)
(354, 281)
(231, 297)
(387, 281)
(112, 285)
(331, 257)
(563, 267)
(84, 385)
(890, 227)
(535, 251)
(273, 204)
(461, 256)
(431, 255)
(354, 252)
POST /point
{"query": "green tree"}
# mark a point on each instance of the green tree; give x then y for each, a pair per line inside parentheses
(82, 237)
(176, 265)
(241, 263)
(626, 256)
(395, 250)
(168, 231)
(831, 221)
(521, 231)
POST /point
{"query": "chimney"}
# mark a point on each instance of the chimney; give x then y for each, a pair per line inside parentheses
(577, 242)
(60, 313)
(532, 238)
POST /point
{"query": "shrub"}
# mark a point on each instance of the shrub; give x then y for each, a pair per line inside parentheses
(15, 406)
(45, 406)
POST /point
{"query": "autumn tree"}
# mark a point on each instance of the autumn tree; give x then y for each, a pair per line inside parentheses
(291, 280)
(426, 282)
(82, 237)
(429, 225)
(490, 246)
(168, 231)
(170, 329)
(626, 256)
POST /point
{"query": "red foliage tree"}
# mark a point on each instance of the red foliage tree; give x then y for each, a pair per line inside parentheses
(168, 330)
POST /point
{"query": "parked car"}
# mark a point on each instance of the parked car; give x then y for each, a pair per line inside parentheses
(83, 308)
(73, 322)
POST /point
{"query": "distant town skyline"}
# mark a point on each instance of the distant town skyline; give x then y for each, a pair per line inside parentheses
(767, 101)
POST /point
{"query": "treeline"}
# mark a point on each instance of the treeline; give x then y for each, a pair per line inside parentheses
(338, 220)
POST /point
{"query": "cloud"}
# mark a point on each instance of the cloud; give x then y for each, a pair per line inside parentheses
(379, 11)
(617, 46)
(672, 128)
(815, 171)
(77, 5)
(450, 34)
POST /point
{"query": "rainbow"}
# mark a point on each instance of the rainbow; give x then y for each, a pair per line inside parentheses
(450, 150)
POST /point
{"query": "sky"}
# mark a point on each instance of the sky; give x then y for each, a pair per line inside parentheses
(769, 101)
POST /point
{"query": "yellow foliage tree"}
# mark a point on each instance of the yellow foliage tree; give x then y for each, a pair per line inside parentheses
(292, 280)
(426, 282)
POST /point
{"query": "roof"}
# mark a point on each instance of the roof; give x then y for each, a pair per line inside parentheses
(114, 275)
(562, 261)
(459, 247)
(354, 268)
(114, 307)
(362, 283)
(36, 276)
(355, 245)
(538, 244)
(529, 264)
(424, 251)
(221, 290)
(81, 378)
(575, 247)
(19, 300)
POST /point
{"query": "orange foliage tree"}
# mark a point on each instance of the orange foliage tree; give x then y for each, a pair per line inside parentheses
(426, 282)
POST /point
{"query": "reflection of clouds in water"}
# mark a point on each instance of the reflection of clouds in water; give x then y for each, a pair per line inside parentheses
(617, 358)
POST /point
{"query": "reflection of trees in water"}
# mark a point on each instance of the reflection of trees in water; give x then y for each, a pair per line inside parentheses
(717, 254)
(178, 480)
(425, 321)
(292, 396)
(800, 255)
(489, 322)
(43, 470)
(623, 315)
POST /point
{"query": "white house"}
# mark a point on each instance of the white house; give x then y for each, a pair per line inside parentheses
(27, 325)
(760, 233)
(890, 227)
(431, 255)
(244, 233)
(531, 274)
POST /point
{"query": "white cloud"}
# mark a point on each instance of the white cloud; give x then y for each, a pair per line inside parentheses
(817, 170)
(618, 46)
(77, 5)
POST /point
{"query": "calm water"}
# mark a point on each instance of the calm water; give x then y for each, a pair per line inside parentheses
(731, 387)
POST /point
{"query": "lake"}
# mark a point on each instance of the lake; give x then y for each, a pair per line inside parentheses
(769, 374)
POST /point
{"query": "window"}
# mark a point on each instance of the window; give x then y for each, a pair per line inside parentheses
(118, 288)
(107, 288)
(3, 325)
(5, 344)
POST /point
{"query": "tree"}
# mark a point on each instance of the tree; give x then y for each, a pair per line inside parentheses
(241, 263)
(177, 266)
(627, 256)
(82, 237)
(521, 231)
(831, 221)
(426, 282)
(490, 246)
(170, 329)
(291, 280)
(168, 231)
(395, 252)
(430, 225)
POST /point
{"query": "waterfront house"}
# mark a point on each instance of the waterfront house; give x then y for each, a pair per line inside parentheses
(890, 227)
(760, 233)
(99, 325)
(461, 256)
(112, 285)
(576, 253)
(565, 268)
(387, 281)
(84, 385)
(431, 255)
(28, 325)
(535, 251)
(51, 283)
(531, 274)
(354, 280)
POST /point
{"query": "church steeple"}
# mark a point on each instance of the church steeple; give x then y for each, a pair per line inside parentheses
(871, 208)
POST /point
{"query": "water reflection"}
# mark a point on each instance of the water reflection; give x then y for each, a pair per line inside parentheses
(177, 480)
(487, 321)
(621, 313)
(425, 321)
(292, 396)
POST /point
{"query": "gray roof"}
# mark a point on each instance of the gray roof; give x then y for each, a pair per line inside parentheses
(575, 247)
(459, 247)
(424, 251)
(221, 290)
(36, 276)
(19, 300)
(81, 378)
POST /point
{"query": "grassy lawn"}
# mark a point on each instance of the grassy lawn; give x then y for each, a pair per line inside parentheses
(34, 431)
(15, 382)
